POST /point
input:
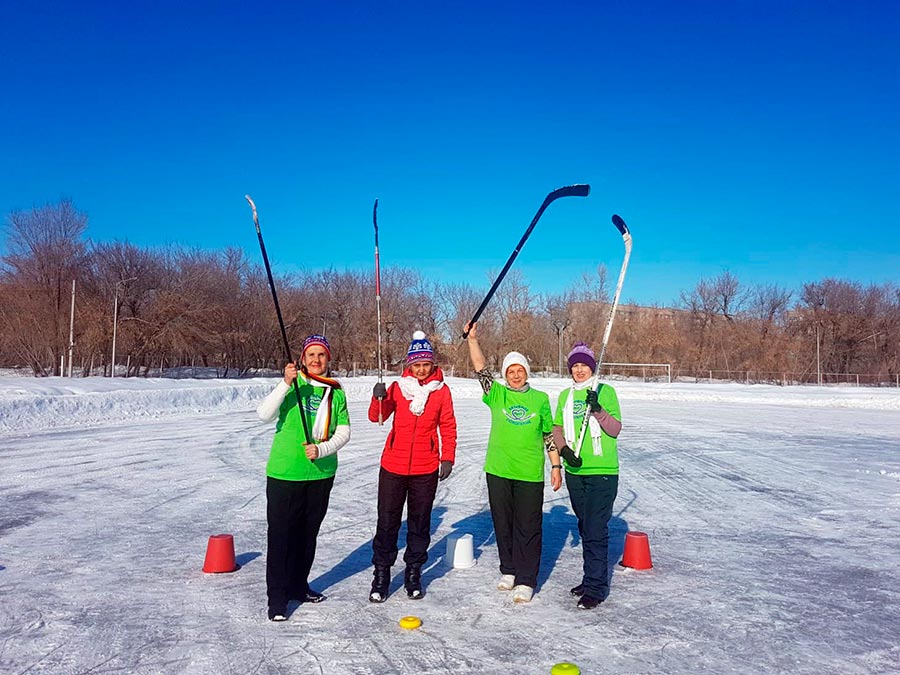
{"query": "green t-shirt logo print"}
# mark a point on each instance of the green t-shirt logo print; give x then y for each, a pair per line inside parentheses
(518, 414)
(311, 404)
(519, 420)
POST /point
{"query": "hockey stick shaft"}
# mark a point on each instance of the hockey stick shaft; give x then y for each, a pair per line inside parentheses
(580, 190)
(284, 340)
(378, 306)
(626, 238)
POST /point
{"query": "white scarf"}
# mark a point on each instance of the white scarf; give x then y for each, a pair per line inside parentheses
(417, 394)
(569, 419)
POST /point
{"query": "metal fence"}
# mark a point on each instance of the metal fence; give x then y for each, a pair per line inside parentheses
(644, 372)
(789, 378)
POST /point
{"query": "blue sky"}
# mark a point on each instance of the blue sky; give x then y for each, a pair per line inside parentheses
(758, 137)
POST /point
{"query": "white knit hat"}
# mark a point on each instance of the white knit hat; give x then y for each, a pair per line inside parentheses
(516, 359)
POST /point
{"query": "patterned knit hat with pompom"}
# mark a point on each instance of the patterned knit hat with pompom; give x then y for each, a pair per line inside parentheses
(420, 349)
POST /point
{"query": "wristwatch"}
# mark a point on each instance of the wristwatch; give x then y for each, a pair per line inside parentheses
(556, 466)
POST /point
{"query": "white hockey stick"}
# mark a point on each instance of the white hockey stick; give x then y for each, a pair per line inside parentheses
(626, 237)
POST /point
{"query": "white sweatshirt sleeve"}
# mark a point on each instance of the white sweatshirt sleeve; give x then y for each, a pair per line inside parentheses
(271, 404)
(336, 442)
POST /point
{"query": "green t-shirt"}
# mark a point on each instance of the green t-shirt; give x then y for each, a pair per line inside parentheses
(607, 461)
(519, 421)
(287, 460)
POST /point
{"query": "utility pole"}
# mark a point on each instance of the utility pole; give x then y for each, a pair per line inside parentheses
(72, 329)
(112, 364)
(818, 355)
(560, 323)
(820, 304)
(112, 361)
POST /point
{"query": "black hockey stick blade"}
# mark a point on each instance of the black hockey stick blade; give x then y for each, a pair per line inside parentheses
(620, 224)
(579, 190)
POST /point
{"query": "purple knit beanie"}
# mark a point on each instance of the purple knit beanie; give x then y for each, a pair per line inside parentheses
(581, 353)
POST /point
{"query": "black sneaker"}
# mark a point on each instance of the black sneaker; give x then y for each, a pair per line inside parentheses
(588, 602)
(277, 613)
(577, 591)
(313, 596)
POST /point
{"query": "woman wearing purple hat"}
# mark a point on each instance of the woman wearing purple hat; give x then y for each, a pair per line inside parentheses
(300, 471)
(592, 471)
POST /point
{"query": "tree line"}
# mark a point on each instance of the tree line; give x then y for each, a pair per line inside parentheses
(176, 307)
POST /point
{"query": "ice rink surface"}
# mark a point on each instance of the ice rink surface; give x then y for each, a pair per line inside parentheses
(773, 516)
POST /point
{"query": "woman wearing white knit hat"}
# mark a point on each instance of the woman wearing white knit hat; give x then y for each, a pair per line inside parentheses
(521, 425)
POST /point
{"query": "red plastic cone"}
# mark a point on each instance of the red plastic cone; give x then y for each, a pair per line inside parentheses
(220, 555)
(637, 551)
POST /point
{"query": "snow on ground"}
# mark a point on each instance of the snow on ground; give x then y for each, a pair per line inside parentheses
(773, 515)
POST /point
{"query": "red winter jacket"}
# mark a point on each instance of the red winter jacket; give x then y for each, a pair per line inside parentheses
(413, 446)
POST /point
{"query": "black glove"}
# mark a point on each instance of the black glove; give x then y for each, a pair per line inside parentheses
(379, 391)
(566, 453)
(592, 403)
(446, 468)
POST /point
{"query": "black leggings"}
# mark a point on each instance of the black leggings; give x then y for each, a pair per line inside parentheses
(294, 511)
(417, 492)
(517, 511)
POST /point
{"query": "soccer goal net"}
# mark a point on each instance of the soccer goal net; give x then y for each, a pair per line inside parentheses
(648, 372)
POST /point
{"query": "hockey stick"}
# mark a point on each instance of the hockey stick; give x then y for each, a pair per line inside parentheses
(378, 307)
(626, 238)
(581, 190)
(284, 340)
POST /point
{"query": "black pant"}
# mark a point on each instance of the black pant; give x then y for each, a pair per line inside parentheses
(417, 492)
(294, 512)
(592, 500)
(517, 512)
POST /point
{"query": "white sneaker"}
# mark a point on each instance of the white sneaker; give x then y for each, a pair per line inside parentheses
(522, 593)
(506, 583)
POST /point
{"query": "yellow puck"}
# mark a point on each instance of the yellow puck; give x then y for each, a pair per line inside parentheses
(411, 622)
(565, 669)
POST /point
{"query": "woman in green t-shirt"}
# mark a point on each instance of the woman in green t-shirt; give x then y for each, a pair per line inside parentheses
(300, 472)
(592, 470)
(521, 423)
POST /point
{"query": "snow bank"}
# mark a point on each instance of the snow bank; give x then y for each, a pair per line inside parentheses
(41, 403)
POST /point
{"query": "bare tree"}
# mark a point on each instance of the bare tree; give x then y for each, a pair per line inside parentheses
(178, 307)
(45, 252)
(715, 343)
(559, 309)
(589, 307)
(454, 306)
(727, 295)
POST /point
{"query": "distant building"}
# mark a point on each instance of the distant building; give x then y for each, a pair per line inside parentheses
(629, 313)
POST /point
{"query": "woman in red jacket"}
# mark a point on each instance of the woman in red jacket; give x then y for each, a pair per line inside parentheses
(419, 451)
